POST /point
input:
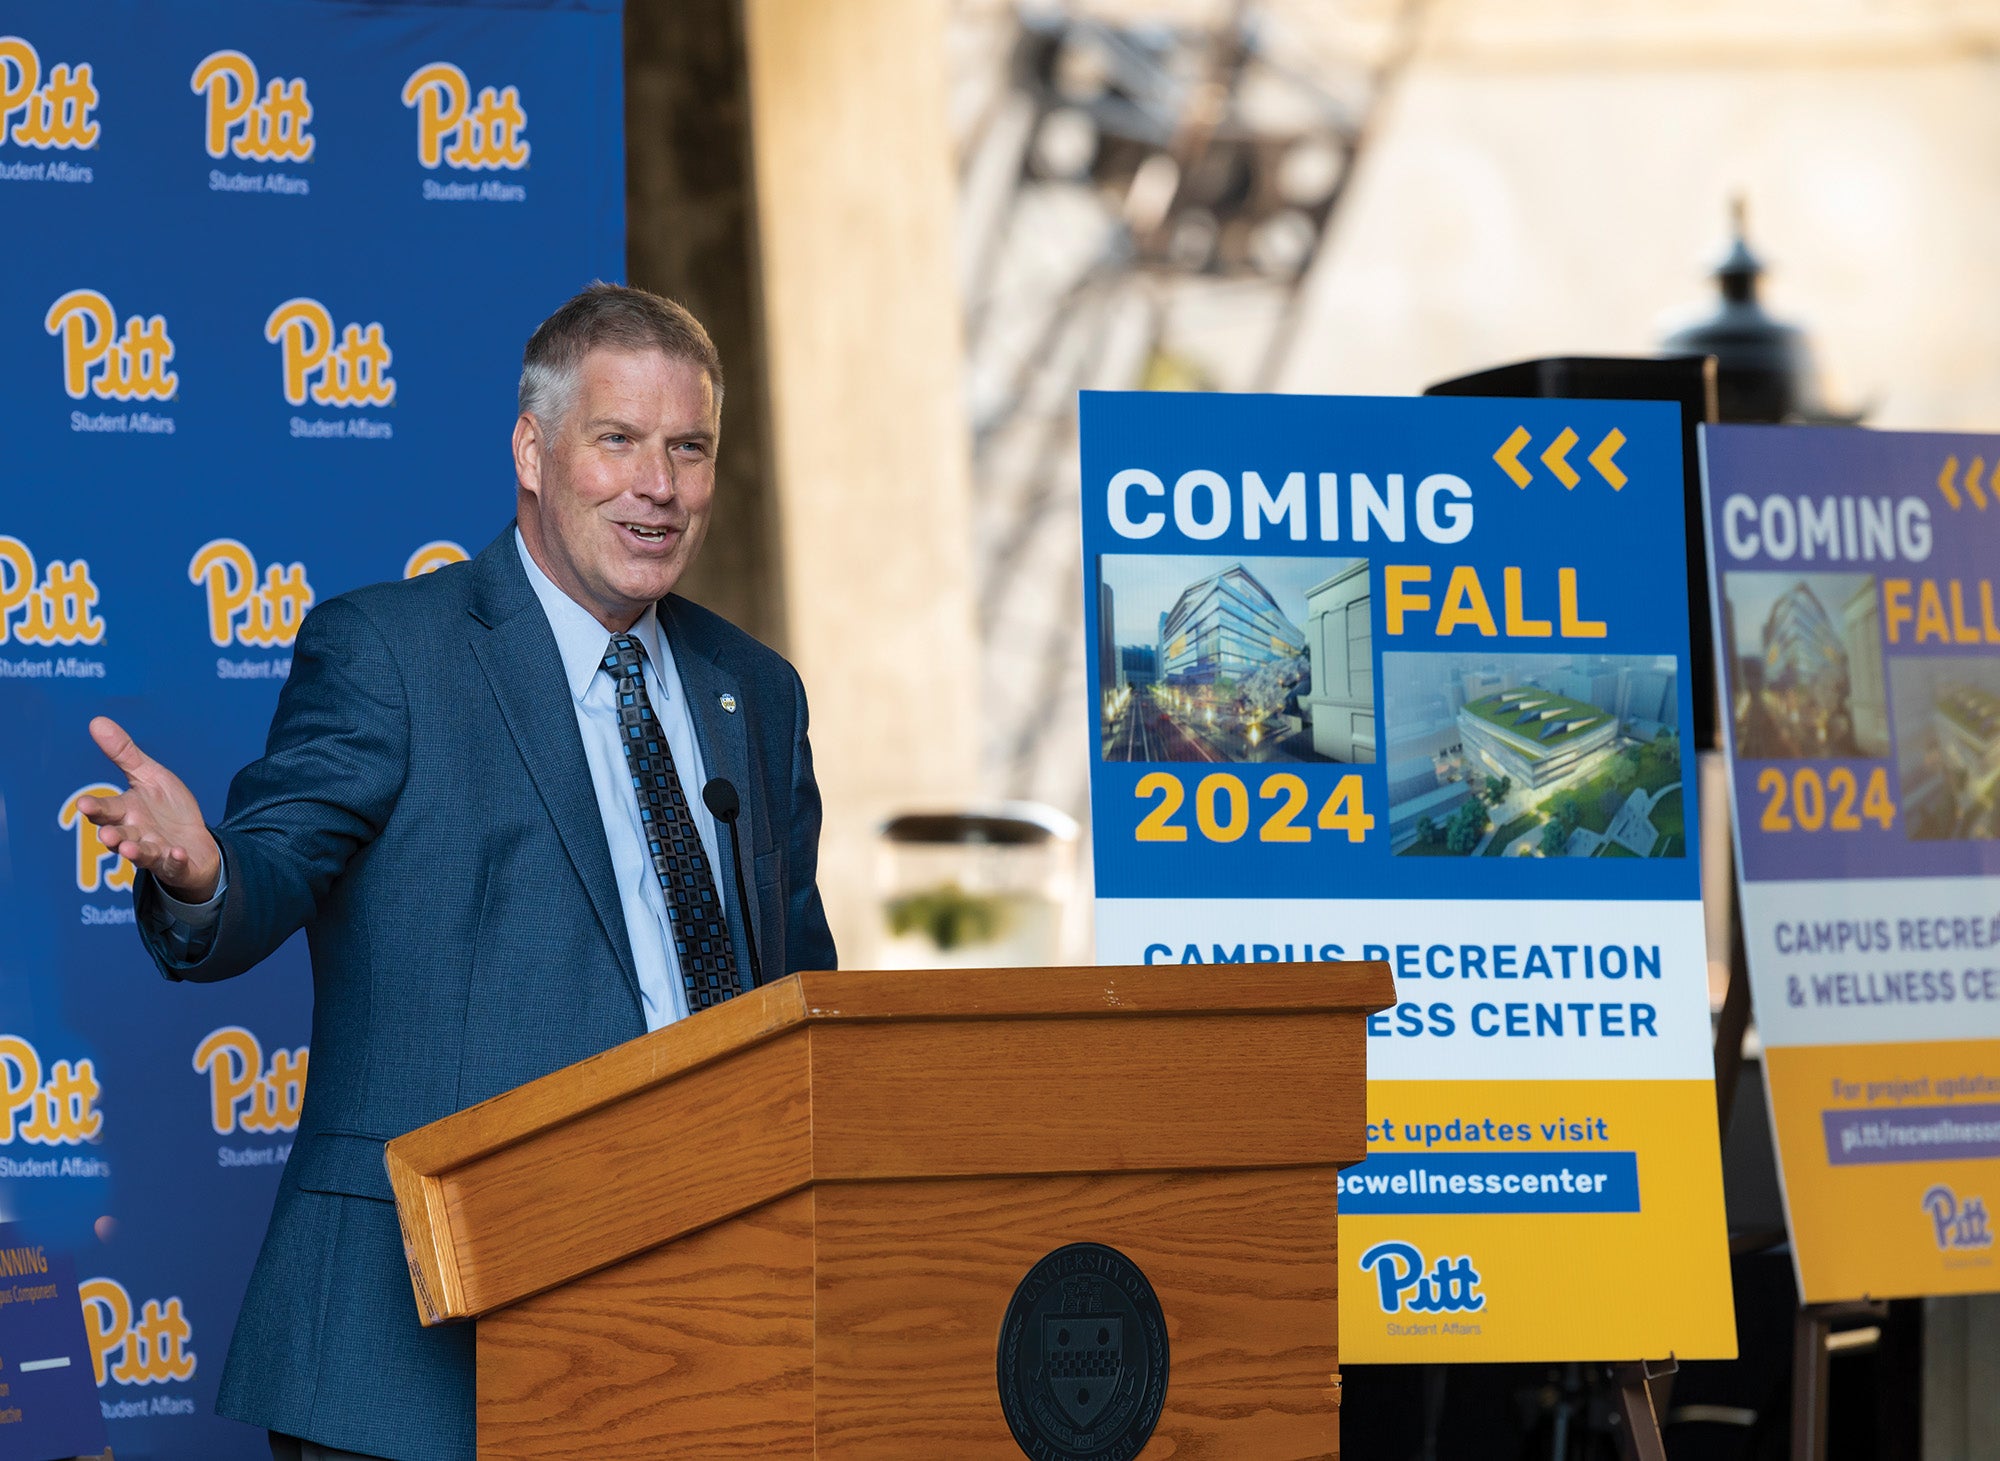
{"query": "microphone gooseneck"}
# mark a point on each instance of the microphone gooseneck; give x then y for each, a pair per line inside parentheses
(720, 797)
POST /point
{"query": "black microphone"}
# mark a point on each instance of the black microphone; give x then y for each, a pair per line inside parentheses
(719, 796)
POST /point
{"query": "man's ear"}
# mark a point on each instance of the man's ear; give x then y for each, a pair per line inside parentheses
(528, 454)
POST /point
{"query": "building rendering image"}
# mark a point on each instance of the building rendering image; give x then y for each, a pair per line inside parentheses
(1226, 627)
(1205, 659)
(1340, 641)
(1535, 736)
(1948, 752)
(1808, 653)
(1533, 755)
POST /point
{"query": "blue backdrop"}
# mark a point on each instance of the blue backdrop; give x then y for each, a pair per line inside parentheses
(269, 266)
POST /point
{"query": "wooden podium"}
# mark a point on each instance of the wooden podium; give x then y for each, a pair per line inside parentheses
(791, 1226)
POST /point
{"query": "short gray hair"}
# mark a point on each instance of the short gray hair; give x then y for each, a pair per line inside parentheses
(607, 317)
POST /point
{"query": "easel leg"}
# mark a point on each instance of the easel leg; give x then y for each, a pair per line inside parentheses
(1810, 1370)
(1809, 1376)
(1639, 1435)
(1733, 1019)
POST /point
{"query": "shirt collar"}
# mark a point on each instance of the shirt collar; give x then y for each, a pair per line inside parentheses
(580, 638)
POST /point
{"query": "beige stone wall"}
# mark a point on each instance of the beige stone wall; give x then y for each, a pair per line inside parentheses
(855, 195)
(1551, 175)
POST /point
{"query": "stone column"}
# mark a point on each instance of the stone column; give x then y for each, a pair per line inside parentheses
(790, 179)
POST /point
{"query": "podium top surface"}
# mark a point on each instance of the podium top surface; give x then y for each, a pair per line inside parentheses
(974, 994)
(1083, 992)
(883, 1076)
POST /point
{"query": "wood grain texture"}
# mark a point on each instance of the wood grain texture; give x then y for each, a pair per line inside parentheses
(1112, 989)
(718, 1141)
(603, 1080)
(915, 1074)
(427, 1244)
(912, 1280)
(1141, 1092)
(700, 1350)
(957, 994)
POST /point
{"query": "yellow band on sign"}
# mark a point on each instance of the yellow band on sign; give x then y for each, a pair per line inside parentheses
(1886, 1154)
(1511, 1223)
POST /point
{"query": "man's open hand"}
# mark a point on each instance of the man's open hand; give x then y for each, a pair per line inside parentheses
(156, 823)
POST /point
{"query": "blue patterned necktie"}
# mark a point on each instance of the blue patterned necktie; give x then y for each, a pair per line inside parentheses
(701, 931)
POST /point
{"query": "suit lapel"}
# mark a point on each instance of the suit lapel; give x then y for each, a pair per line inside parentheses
(517, 650)
(724, 739)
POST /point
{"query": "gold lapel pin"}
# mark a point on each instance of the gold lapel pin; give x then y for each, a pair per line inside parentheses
(729, 703)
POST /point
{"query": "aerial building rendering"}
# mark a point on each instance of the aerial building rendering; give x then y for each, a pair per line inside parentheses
(1534, 755)
(1535, 736)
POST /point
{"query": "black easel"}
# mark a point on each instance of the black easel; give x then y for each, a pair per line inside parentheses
(1810, 1332)
(1643, 1386)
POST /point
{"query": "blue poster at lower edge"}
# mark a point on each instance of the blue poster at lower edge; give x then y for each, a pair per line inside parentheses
(48, 1401)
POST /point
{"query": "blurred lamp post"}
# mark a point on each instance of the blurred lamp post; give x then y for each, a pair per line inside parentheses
(1764, 367)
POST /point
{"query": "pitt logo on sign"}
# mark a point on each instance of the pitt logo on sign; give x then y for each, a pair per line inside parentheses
(459, 132)
(270, 1099)
(1958, 1224)
(97, 866)
(1450, 1286)
(270, 129)
(55, 609)
(129, 366)
(149, 1350)
(59, 1112)
(354, 372)
(239, 612)
(34, 114)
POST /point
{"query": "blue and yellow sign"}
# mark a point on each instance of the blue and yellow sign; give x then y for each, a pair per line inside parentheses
(1406, 680)
(1860, 649)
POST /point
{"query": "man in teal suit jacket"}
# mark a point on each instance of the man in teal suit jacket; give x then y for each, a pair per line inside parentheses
(444, 807)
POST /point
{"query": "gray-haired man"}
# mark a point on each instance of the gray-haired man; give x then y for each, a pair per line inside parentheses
(482, 800)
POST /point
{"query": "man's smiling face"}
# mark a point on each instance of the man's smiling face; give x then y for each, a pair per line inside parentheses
(615, 494)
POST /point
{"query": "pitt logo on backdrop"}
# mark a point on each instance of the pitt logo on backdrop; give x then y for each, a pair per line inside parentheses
(270, 1099)
(454, 129)
(152, 1348)
(38, 114)
(354, 372)
(433, 556)
(61, 1111)
(52, 609)
(240, 612)
(270, 129)
(97, 866)
(128, 366)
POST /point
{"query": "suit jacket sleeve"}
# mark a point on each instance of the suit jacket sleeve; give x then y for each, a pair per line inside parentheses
(324, 788)
(808, 940)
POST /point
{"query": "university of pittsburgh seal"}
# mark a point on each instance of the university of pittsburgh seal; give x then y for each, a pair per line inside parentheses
(1083, 1357)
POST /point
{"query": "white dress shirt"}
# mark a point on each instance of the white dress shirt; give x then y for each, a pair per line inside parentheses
(583, 642)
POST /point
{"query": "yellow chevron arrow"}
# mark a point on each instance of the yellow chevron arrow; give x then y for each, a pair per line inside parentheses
(1945, 484)
(1972, 482)
(1601, 459)
(1556, 459)
(1509, 457)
